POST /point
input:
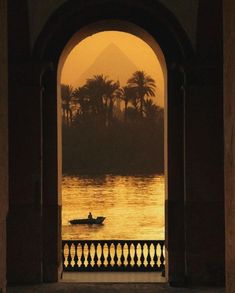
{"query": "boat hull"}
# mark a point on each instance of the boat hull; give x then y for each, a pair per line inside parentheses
(97, 221)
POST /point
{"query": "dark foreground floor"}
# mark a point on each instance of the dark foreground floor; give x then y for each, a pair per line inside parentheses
(108, 288)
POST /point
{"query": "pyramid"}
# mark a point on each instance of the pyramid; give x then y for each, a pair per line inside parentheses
(111, 62)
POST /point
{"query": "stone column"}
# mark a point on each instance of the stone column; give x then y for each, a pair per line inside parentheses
(229, 129)
(204, 186)
(3, 143)
(204, 203)
(52, 262)
(24, 225)
(175, 227)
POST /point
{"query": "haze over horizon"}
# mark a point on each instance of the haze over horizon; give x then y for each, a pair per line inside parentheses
(116, 55)
(109, 63)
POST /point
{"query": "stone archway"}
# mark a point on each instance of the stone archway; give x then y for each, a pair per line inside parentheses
(175, 59)
(42, 200)
(83, 34)
(196, 188)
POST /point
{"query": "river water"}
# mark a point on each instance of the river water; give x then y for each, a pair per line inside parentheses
(133, 207)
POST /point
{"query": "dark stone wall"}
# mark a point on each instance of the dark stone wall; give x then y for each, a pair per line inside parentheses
(229, 129)
(33, 226)
(41, 11)
(24, 233)
(3, 142)
(204, 188)
(194, 207)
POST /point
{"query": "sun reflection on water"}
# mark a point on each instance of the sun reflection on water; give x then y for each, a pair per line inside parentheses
(133, 207)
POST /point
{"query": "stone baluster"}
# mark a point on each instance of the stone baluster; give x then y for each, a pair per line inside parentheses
(69, 258)
(148, 258)
(122, 258)
(89, 255)
(63, 254)
(142, 258)
(82, 255)
(102, 255)
(115, 258)
(128, 254)
(109, 254)
(75, 255)
(95, 256)
(135, 255)
(162, 258)
(155, 257)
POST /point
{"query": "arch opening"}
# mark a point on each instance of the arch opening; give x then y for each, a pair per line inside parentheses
(158, 72)
(172, 64)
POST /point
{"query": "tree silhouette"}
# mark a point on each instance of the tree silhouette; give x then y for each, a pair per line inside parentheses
(98, 140)
(96, 89)
(144, 85)
(97, 97)
(151, 110)
(111, 93)
(81, 95)
(128, 94)
(67, 96)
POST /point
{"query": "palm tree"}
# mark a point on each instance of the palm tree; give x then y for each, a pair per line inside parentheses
(81, 95)
(111, 93)
(96, 88)
(151, 110)
(97, 97)
(144, 85)
(128, 94)
(67, 96)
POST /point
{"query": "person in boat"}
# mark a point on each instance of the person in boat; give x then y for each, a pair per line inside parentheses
(90, 216)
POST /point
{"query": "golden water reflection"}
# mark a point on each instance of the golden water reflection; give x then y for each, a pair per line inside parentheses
(133, 207)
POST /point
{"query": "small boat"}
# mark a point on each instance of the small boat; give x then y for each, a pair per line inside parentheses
(89, 221)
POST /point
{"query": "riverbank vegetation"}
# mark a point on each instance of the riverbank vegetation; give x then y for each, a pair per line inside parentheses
(112, 129)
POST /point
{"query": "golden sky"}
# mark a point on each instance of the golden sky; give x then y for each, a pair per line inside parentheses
(84, 55)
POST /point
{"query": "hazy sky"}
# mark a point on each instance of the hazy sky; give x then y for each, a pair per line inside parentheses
(138, 52)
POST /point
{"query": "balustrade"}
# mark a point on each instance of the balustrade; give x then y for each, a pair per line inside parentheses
(113, 255)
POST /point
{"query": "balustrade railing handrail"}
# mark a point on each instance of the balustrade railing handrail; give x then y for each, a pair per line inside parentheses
(113, 241)
(113, 255)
